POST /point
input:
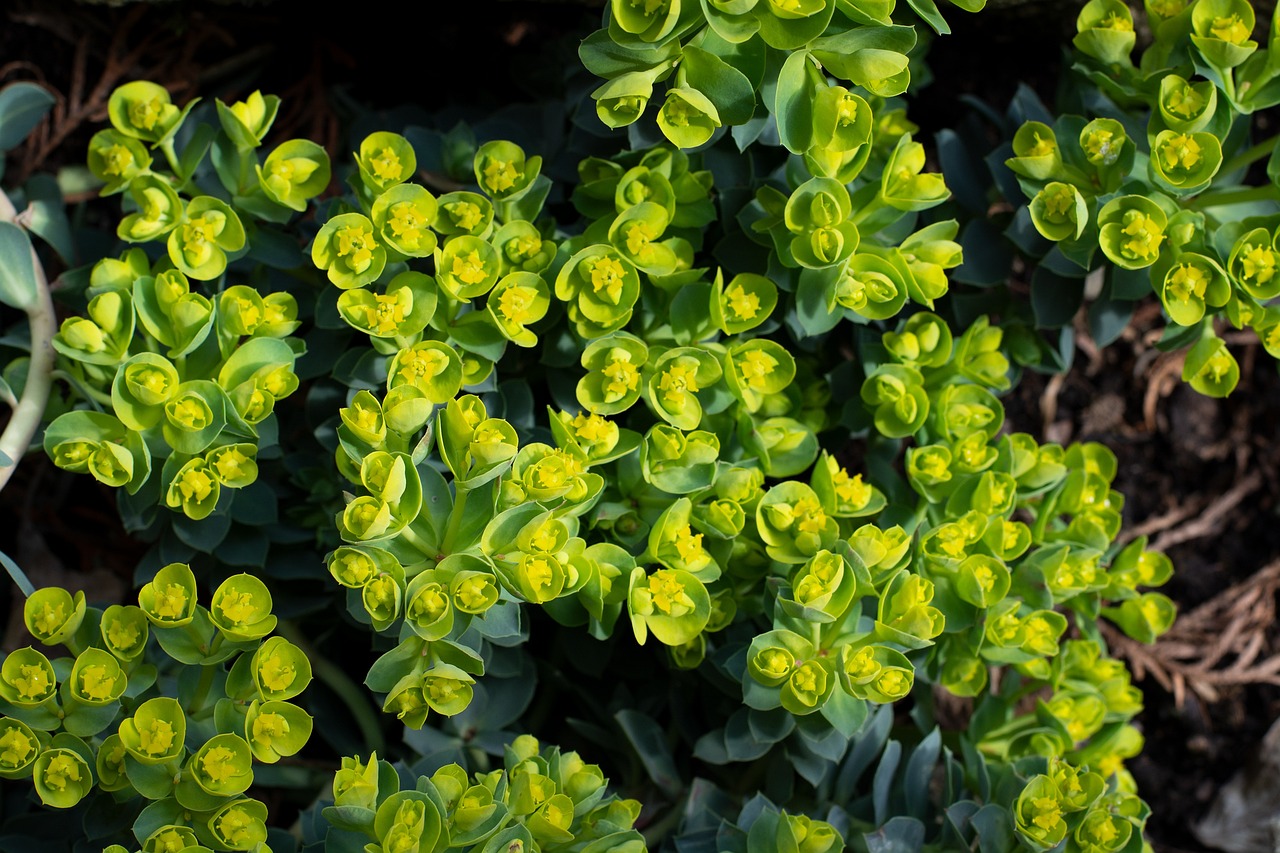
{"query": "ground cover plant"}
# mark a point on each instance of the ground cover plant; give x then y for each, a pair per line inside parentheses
(673, 432)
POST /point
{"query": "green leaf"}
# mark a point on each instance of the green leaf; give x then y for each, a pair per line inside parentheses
(1107, 319)
(882, 784)
(47, 216)
(793, 103)
(606, 58)
(22, 106)
(928, 12)
(650, 744)
(726, 87)
(18, 575)
(919, 773)
(1054, 299)
(18, 287)
(900, 835)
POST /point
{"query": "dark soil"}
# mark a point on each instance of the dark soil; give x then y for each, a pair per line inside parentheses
(1178, 452)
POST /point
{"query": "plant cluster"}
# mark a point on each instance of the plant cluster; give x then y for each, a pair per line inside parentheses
(718, 391)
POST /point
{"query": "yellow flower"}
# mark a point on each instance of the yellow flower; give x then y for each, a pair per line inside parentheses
(668, 594)
(607, 275)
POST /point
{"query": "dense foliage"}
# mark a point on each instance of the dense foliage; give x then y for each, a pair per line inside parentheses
(733, 395)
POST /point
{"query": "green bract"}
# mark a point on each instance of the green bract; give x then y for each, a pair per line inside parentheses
(600, 288)
(116, 159)
(403, 311)
(403, 216)
(1221, 30)
(280, 670)
(62, 778)
(672, 387)
(688, 117)
(159, 210)
(294, 173)
(385, 159)
(1060, 212)
(1186, 107)
(222, 767)
(503, 171)
(209, 229)
(27, 678)
(155, 733)
(52, 614)
(169, 599)
(348, 251)
(1186, 162)
(1105, 31)
(143, 111)
(467, 267)
(241, 609)
(247, 122)
(1132, 231)
(671, 604)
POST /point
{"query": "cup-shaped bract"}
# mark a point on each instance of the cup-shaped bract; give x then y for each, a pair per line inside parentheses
(1186, 107)
(687, 118)
(1105, 31)
(169, 599)
(1221, 31)
(156, 731)
(1038, 814)
(235, 465)
(869, 286)
(1211, 368)
(906, 612)
(635, 233)
(96, 678)
(239, 825)
(159, 210)
(209, 229)
(601, 288)
(52, 614)
(62, 777)
(467, 267)
(673, 385)
(223, 766)
(842, 495)
(674, 544)
(1185, 162)
(403, 216)
(904, 185)
(464, 214)
(432, 367)
(141, 389)
(276, 730)
(384, 160)
(874, 672)
(408, 821)
(613, 381)
(364, 418)
(742, 304)
(622, 100)
(1254, 264)
(651, 21)
(27, 678)
(671, 604)
(19, 748)
(521, 247)
(116, 159)
(901, 405)
(1145, 617)
(794, 526)
(402, 312)
(280, 670)
(241, 609)
(503, 171)
(294, 173)
(347, 250)
(1059, 212)
(172, 837)
(143, 110)
(247, 122)
(429, 611)
(518, 300)
(103, 337)
(925, 339)
(679, 463)
(1133, 228)
(194, 489)
(822, 589)
(982, 580)
(124, 630)
(757, 368)
(1192, 283)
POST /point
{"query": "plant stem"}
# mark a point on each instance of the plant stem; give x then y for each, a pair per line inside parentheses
(340, 683)
(1238, 195)
(1249, 155)
(202, 691)
(455, 519)
(26, 417)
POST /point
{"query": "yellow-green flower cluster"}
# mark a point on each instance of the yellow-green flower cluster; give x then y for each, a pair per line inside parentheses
(540, 798)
